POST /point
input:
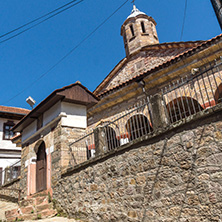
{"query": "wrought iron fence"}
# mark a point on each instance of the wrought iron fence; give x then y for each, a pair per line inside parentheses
(10, 173)
(182, 98)
(118, 130)
(201, 90)
(128, 125)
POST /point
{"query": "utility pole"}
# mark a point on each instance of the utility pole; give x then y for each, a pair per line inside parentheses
(217, 5)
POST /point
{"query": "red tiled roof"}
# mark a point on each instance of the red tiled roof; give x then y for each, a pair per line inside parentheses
(160, 66)
(14, 110)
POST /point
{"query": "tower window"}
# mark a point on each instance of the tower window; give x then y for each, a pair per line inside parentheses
(132, 30)
(143, 27)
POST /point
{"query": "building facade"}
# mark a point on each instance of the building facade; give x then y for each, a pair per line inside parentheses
(155, 87)
(9, 153)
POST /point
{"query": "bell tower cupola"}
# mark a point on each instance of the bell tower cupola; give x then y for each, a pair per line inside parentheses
(138, 30)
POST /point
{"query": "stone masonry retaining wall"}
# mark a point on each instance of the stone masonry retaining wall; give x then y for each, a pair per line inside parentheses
(10, 191)
(176, 176)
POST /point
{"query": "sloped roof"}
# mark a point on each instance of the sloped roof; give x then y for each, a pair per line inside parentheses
(157, 55)
(74, 93)
(16, 110)
(13, 112)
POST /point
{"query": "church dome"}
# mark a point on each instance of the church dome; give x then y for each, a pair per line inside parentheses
(135, 12)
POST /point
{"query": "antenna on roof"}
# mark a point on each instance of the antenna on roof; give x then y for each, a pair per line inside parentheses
(30, 101)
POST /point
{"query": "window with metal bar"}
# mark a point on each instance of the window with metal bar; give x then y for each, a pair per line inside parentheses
(111, 138)
(137, 126)
(182, 107)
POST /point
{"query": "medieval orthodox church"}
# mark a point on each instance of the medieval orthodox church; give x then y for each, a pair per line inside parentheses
(155, 85)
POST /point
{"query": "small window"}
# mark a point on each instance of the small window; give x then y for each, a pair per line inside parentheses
(143, 27)
(7, 133)
(132, 30)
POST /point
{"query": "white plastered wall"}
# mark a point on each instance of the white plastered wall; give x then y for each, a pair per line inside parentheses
(75, 115)
(7, 145)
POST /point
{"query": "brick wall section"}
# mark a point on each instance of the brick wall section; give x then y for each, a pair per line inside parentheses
(69, 135)
(175, 176)
(142, 62)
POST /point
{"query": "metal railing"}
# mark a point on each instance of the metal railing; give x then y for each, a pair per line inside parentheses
(182, 98)
(201, 90)
(10, 173)
(128, 125)
(118, 130)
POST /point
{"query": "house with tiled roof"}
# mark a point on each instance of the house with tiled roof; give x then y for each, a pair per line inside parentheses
(9, 153)
(101, 155)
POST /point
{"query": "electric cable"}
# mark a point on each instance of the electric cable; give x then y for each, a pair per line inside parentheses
(35, 20)
(67, 54)
(184, 18)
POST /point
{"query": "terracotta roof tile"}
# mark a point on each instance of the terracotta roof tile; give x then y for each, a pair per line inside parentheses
(186, 52)
(15, 110)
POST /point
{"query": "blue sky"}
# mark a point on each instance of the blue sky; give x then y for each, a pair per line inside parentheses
(25, 58)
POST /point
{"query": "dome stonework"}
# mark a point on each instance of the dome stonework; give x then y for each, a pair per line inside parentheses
(138, 30)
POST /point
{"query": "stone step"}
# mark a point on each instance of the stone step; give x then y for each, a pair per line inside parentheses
(35, 207)
(44, 207)
(27, 210)
(47, 213)
(26, 202)
(40, 194)
(41, 200)
(11, 213)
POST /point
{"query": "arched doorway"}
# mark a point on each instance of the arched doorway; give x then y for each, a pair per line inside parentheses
(41, 166)
(137, 126)
(182, 107)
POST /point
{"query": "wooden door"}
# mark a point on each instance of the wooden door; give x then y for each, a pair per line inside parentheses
(41, 168)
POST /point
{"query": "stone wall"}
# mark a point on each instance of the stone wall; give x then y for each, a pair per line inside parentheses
(173, 176)
(10, 191)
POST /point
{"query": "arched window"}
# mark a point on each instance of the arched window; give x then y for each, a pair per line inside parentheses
(132, 30)
(218, 94)
(182, 107)
(138, 126)
(143, 27)
(111, 139)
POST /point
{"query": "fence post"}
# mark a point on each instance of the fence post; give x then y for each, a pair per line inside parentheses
(160, 117)
(99, 138)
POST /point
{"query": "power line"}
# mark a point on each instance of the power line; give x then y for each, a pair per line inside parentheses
(64, 8)
(69, 53)
(184, 18)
